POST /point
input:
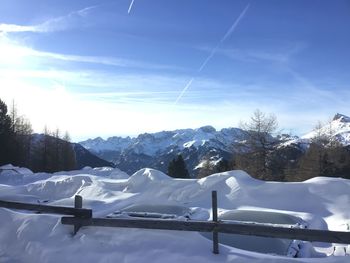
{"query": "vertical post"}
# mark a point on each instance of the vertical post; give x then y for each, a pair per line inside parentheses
(78, 203)
(214, 201)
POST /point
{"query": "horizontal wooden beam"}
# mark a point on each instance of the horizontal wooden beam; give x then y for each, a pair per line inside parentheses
(199, 226)
(79, 212)
(286, 233)
(222, 227)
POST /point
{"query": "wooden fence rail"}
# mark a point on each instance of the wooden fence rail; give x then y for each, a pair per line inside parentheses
(215, 226)
(78, 212)
(219, 226)
(83, 217)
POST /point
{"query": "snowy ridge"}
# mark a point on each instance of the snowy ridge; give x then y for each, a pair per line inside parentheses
(323, 203)
(338, 128)
(153, 143)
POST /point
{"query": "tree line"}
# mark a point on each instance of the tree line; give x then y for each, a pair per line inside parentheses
(264, 155)
(48, 152)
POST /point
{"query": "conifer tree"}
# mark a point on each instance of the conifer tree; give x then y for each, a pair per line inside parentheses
(6, 135)
(21, 143)
(68, 154)
(177, 168)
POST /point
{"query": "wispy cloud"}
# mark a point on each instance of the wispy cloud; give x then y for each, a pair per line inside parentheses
(214, 50)
(284, 53)
(11, 28)
(109, 61)
(11, 50)
(51, 25)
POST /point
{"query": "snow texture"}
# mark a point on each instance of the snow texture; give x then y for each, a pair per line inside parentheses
(319, 203)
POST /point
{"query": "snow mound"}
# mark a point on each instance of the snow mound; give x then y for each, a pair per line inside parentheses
(59, 187)
(145, 176)
(98, 171)
(320, 203)
(10, 174)
(118, 174)
(19, 170)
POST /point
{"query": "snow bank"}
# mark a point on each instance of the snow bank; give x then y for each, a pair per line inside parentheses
(321, 203)
(11, 174)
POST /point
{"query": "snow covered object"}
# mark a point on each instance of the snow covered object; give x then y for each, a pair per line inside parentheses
(321, 203)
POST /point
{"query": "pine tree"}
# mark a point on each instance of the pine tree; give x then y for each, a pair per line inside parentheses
(177, 168)
(69, 159)
(223, 166)
(6, 135)
(22, 131)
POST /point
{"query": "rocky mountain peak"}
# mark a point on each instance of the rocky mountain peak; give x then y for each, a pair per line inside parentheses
(207, 129)
(341, 118)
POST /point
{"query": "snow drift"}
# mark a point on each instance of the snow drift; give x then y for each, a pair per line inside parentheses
(322, 203)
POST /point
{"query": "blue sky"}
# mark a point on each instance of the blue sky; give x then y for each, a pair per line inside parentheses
(95, 69)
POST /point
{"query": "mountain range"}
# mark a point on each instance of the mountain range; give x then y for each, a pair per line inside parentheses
(156, 150)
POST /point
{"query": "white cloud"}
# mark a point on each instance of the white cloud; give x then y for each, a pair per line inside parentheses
(12, 52)
(50, 25)
(6, 28)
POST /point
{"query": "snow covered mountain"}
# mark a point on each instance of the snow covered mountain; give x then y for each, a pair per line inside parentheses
(156, 150)
(154, 143)
(337, 129)
(131, 154)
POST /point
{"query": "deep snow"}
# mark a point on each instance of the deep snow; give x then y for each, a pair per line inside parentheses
(323, 203)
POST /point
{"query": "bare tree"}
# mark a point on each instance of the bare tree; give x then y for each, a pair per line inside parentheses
(255, 150)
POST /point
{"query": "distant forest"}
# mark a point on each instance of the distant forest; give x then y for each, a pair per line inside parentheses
(49, 152)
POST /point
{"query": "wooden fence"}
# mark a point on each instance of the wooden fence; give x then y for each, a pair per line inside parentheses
(50, 209)
(83, 217)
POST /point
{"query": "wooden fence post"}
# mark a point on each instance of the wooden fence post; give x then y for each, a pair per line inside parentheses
(215, 219)
(78, 203)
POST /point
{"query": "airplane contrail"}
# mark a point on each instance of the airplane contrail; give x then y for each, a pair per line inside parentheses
(184, 90)
(235, 24)
(212, 53)
(132, 2)
(228, 33)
